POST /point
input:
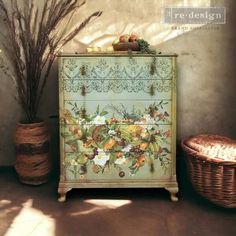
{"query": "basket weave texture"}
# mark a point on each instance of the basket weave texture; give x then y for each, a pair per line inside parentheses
(211, 162)
(33, 162)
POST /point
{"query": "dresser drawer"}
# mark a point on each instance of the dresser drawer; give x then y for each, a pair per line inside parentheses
(116, 89)
(117, 151)
(115, 78)
(123, 111)
(102, 68)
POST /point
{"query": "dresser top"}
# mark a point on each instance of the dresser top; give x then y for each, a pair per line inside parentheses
(116, 54)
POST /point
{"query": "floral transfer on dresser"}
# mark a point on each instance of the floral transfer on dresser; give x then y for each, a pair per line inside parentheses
(126, 139)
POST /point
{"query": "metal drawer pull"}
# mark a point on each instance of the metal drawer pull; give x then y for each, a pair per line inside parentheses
(83, 70)
(83, 91)
(152, 90)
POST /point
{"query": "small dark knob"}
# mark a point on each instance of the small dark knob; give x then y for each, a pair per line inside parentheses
(152, 90)
(83, 70)
(83, 91)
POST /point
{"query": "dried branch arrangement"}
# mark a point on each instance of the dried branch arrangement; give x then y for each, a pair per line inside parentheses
(32, 42)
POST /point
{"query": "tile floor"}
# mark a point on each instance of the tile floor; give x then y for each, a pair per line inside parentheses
(34, 211)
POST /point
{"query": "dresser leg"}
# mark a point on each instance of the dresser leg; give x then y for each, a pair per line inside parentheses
(173, 191)
(63, 191)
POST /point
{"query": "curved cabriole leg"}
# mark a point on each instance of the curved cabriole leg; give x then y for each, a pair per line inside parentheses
(62, 191)
(173, 191)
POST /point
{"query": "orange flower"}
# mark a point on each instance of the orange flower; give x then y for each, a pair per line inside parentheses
(110, 144)
(141, 159)
(95, 169)
(140, 162)
(119, 154)
(168, 133)
(113, 120)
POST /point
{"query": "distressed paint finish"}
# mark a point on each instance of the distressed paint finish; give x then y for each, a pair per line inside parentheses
(117, 121)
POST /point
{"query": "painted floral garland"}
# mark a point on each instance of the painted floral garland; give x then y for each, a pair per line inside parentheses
(99, 142)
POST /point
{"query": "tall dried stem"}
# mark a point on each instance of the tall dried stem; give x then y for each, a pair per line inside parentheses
(33, 43)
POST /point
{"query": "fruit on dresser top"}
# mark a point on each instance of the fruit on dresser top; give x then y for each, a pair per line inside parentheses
(125, 38)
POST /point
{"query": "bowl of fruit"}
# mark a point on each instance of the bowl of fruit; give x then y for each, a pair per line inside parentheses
(126, 42)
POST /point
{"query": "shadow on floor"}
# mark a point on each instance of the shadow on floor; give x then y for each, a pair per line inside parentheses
(35, 210)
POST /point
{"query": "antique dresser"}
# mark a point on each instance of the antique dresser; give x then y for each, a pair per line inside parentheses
(117, 121)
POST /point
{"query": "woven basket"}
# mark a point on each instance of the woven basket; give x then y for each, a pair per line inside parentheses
(33, 162)
(211, 175)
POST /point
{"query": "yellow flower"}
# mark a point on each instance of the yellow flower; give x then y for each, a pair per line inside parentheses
(135, 129)
(143, 146)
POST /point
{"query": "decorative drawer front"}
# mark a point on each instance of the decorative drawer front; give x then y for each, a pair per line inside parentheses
(116, 89)
(103, 68)
(107, 78)
(122, 111)
(120, 151)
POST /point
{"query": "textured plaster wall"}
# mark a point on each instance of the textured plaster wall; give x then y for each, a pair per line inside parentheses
(206, 66)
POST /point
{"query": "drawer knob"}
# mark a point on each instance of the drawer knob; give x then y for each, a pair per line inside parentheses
(152, 90)
(83, 70)
(83, 91)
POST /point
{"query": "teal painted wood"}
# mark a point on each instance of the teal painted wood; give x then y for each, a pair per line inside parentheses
(117, 121)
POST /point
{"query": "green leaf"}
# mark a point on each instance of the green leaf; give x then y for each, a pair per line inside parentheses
(92, 117)
(82, 159)
(117, 148)
(83, 149)
(112, 157)
(103, 113)
(98, 108)
(71, 141)
(66, 134)
(114, 126)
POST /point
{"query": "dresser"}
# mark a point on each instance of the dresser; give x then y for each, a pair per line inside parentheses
(117, 121)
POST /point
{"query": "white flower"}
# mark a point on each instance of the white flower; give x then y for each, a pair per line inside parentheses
(101, 158)
(117, 138)
(126, 148)
(120, 161)
(100, 151)
(149, 119)
(99, 120)
(146, 122)
(112, 132)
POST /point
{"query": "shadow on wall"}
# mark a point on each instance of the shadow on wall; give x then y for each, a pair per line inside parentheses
(206, 79)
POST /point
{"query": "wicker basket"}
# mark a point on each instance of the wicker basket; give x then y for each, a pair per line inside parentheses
(212, 176)
(33, 162)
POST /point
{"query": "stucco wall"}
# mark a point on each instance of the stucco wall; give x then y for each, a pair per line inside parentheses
(206, 66)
